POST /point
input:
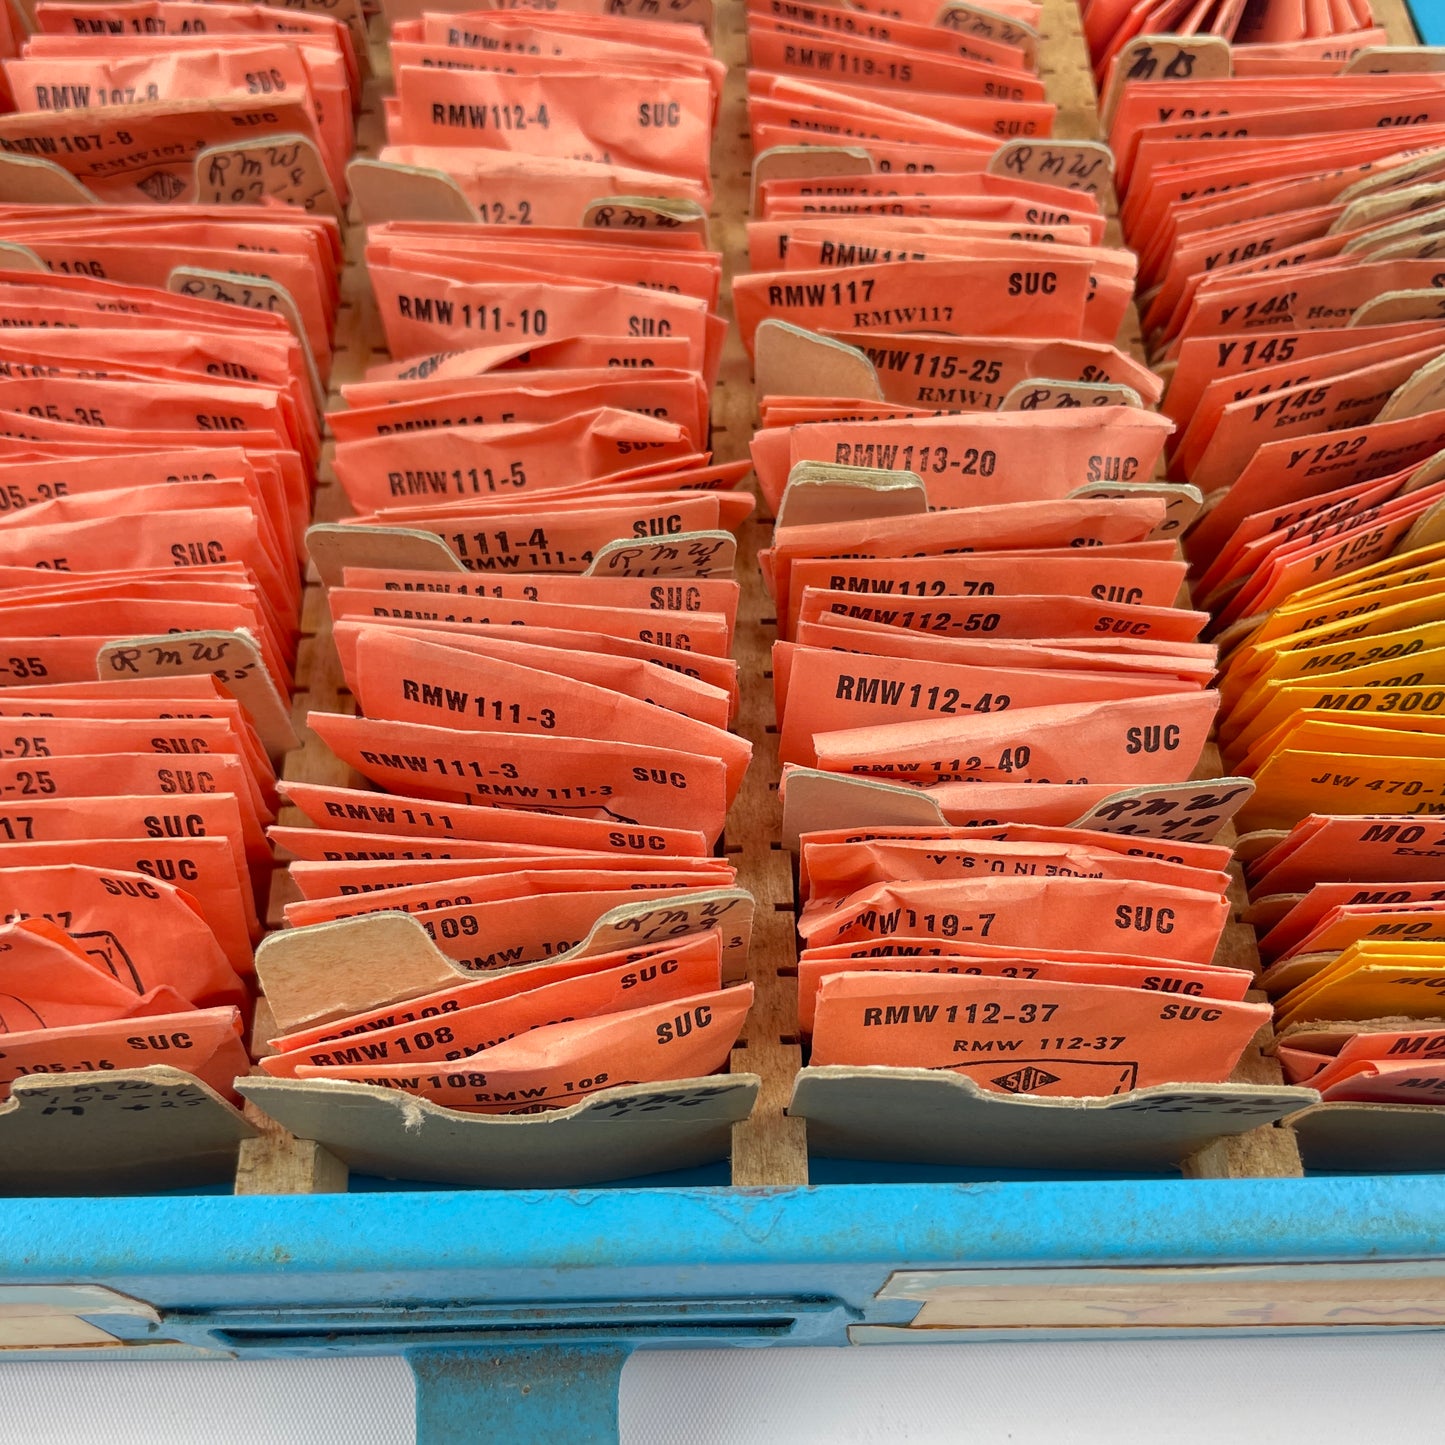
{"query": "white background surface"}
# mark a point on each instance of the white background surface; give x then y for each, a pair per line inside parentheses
(1178, 1392)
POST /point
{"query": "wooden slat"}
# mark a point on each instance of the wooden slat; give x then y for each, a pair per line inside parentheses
(769, 1148)
(278, 1162)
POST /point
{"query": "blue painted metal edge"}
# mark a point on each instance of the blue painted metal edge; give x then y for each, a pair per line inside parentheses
(1429, 18)
(585, 1244)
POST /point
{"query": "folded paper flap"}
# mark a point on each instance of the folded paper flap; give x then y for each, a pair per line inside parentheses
(930, 1117)
(384, 191)
(118, 1132)
(617, 1133)
(1371, 1138)
(793, 361)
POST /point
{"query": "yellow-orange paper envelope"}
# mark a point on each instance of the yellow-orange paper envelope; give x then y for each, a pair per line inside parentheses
(1375, 845)
(1374, 979)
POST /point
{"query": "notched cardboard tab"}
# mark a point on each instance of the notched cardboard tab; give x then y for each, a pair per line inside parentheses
(790, 360)
(1182, 502)
(1390, 308)
(814, 801)
(725, 911)
(1415, 228)
(1165, 57)
(33, 181)
(333, 548)
(1396, 60)
(646, 213)
(1377, 207)
(255, 293)
(1371, 1138)
(931, 1116)
(620, 1133)
(688, 554)
(1075, 165)
(1041, 393)
(15, 257)
(232, 658)
(1421, 245)
(332, 970)
(127, 1132)
(286, 168)
(1249, 846)
(1236, 633)
(384, 191)
(968, 18)
(1263, 913)
(1189, 812)
(1394, 176)
(1432, 469)
(800, 162)
(824, 492)
(1421, 392)
(1428, 530)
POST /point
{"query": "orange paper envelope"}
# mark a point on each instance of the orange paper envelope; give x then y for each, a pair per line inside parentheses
(552, 1067)
(1036, 1037)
